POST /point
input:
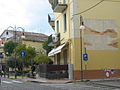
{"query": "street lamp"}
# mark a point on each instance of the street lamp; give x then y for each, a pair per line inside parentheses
(82, 27)
(15, 30)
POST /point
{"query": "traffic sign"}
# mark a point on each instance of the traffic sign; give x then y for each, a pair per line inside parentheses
(85, 57)
(22, 53)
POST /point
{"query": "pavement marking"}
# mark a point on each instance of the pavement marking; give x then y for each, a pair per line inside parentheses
(10, 82)
(16, 81)
(6, 82)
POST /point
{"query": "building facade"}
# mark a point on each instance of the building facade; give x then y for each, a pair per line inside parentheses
(2, 55)
(99, 39)
(34, 40)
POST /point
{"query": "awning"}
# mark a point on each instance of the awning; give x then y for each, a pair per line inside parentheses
(56, 50)
(51, 53)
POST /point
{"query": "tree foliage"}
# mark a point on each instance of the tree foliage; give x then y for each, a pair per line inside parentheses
(20, 61)
(19, 48)
(15, 63)
(9, 47)
(42, 59)
(46, 43)
(30, 54)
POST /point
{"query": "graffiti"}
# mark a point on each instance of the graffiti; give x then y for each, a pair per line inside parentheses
(109, 72)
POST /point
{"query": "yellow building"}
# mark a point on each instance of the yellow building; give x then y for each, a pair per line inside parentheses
(34, 40)
(99, 39)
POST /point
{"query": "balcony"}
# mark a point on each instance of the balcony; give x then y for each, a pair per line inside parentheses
(51, 20)
(51, 1)
(58, 5)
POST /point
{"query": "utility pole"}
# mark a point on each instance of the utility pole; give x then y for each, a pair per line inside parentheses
(82, 27)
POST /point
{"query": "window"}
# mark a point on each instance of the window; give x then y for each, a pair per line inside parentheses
(57, 26)
(6, 33)
(64, 1)
(3, 38)
(65, 23)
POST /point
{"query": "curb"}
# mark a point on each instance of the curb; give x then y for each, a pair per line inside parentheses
(105, 85)
(34, 81)
(50, 82)
(104, 80)
(43, 81)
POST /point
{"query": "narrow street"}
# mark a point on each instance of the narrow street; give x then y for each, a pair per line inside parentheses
(10, 84)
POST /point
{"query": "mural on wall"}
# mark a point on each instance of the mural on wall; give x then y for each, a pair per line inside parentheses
(100, 35)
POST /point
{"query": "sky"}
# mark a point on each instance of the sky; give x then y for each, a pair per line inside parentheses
(32, 15)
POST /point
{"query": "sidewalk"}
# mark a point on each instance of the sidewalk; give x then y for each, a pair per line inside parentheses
(115, 82)
(43, 80)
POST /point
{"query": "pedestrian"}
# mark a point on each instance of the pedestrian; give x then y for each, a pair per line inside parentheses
(33, 68)
(1, 73)
(0, 81)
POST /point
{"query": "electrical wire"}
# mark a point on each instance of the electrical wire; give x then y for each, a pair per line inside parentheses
(89, 8)
(95, 6)
(112, 0)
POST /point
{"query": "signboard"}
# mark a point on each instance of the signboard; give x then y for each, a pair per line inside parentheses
(1, 56)
(22, 53)
(85, 57)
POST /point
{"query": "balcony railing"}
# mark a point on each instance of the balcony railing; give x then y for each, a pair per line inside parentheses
(51, 20)
(58, 5)
(51, 1)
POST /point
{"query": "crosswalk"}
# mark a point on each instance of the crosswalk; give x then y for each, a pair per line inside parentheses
(10, 82)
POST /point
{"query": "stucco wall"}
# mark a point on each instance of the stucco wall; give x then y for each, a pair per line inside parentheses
(37, 45)
(98, 58)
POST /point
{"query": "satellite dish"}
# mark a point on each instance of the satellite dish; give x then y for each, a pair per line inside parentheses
(55, 37)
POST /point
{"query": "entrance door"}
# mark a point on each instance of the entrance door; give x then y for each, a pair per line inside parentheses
(58, 59)
(65, 56)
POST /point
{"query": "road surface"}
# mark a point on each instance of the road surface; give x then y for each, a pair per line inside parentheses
(10, 84)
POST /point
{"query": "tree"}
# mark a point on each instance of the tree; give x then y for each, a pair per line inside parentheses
(42, 59)
(19, 62)
(9, 47)
(12, 61)
(30, 54)
(46, 43)
(19, 48)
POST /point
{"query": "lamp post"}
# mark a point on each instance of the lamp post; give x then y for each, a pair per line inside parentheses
(82, 27)
(15, 30)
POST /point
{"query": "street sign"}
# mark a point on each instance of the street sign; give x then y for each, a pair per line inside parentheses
(22, 53)
(85, 57)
